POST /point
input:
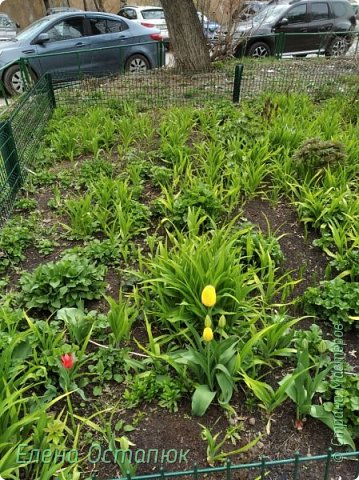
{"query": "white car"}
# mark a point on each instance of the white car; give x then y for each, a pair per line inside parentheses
(152, 17)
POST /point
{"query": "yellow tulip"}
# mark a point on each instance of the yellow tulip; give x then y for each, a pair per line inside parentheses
(208, 296)
(208, 334)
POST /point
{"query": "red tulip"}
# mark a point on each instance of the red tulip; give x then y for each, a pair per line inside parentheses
(68, 360)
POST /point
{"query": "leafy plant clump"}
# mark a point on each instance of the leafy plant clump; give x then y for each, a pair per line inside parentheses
(149, 386)
(15, 237)
(198, 195)
(66, 283)
(335, 300)
(348, 395)
(315, 153)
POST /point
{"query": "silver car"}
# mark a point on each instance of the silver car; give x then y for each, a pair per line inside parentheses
(8, 28)
(90, 42)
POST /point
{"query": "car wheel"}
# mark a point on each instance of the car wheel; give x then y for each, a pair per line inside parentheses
(137, 64)
(13, 80)
(337, 47)
(259, 49)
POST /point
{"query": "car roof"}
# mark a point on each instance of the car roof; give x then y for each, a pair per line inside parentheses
(82, 13)
(146, 7)
(293, 2)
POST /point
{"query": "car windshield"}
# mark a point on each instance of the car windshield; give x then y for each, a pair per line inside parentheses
(269, 14)
(33, 29)
(153, 14)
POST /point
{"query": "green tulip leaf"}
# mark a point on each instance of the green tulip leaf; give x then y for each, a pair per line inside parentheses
(201, 400)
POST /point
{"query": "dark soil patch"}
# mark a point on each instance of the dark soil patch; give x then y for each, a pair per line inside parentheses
(299, 252)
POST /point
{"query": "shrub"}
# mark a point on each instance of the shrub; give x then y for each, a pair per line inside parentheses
(66, 283)
(314, 154)
(335, 300)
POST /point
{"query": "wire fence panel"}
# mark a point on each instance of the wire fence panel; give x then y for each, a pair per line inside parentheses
(262, 470)
(20, 138)
(320, 78)
(156, 88)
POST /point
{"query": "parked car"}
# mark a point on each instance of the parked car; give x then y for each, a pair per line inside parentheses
(151, 17)
(155, 17)
(8, 28)
(79, 32)
(355, 5)
(211, 28)
(302, 20)
(249, 9)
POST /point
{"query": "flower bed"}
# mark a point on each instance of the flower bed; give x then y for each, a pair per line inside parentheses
(161, 293)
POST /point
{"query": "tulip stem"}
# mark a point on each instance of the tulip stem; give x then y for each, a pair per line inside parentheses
(209, 376)
(71, 411)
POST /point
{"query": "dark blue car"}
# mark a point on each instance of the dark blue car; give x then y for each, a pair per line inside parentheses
(66, 42)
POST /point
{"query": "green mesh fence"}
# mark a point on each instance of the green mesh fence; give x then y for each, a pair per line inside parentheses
(318, 77)
(20, 137)
(296, 468)
(156, 88)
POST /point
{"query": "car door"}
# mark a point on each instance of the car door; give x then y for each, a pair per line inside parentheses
(295, 25)
(110, 37)
(321, 23)
(66, 47)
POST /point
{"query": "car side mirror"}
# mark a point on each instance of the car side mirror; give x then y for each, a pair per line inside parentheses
(42, 38)
(283, 22)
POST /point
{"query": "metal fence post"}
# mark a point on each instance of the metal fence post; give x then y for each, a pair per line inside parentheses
(296, 466)
(163, 54)
(4, 93)
(327, 464)
(279, 44)
(237, 83)
(24, 72)
(10, 157)
(121, 59)
(50, 90)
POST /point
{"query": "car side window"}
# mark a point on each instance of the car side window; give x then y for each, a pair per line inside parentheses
(297, 14)
(100, 26)
(320, 11)
(339, 9)
(67, 30)
(129, 13)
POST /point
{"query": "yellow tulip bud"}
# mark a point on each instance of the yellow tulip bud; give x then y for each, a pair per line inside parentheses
(222, 321)
(208, 334)
(208, 296)
(208, 321)
(322, 347)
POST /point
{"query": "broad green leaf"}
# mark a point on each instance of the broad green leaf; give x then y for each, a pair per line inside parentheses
(201, 400)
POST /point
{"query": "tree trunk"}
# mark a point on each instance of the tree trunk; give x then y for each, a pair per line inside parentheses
(99, 5)
(186, 35)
